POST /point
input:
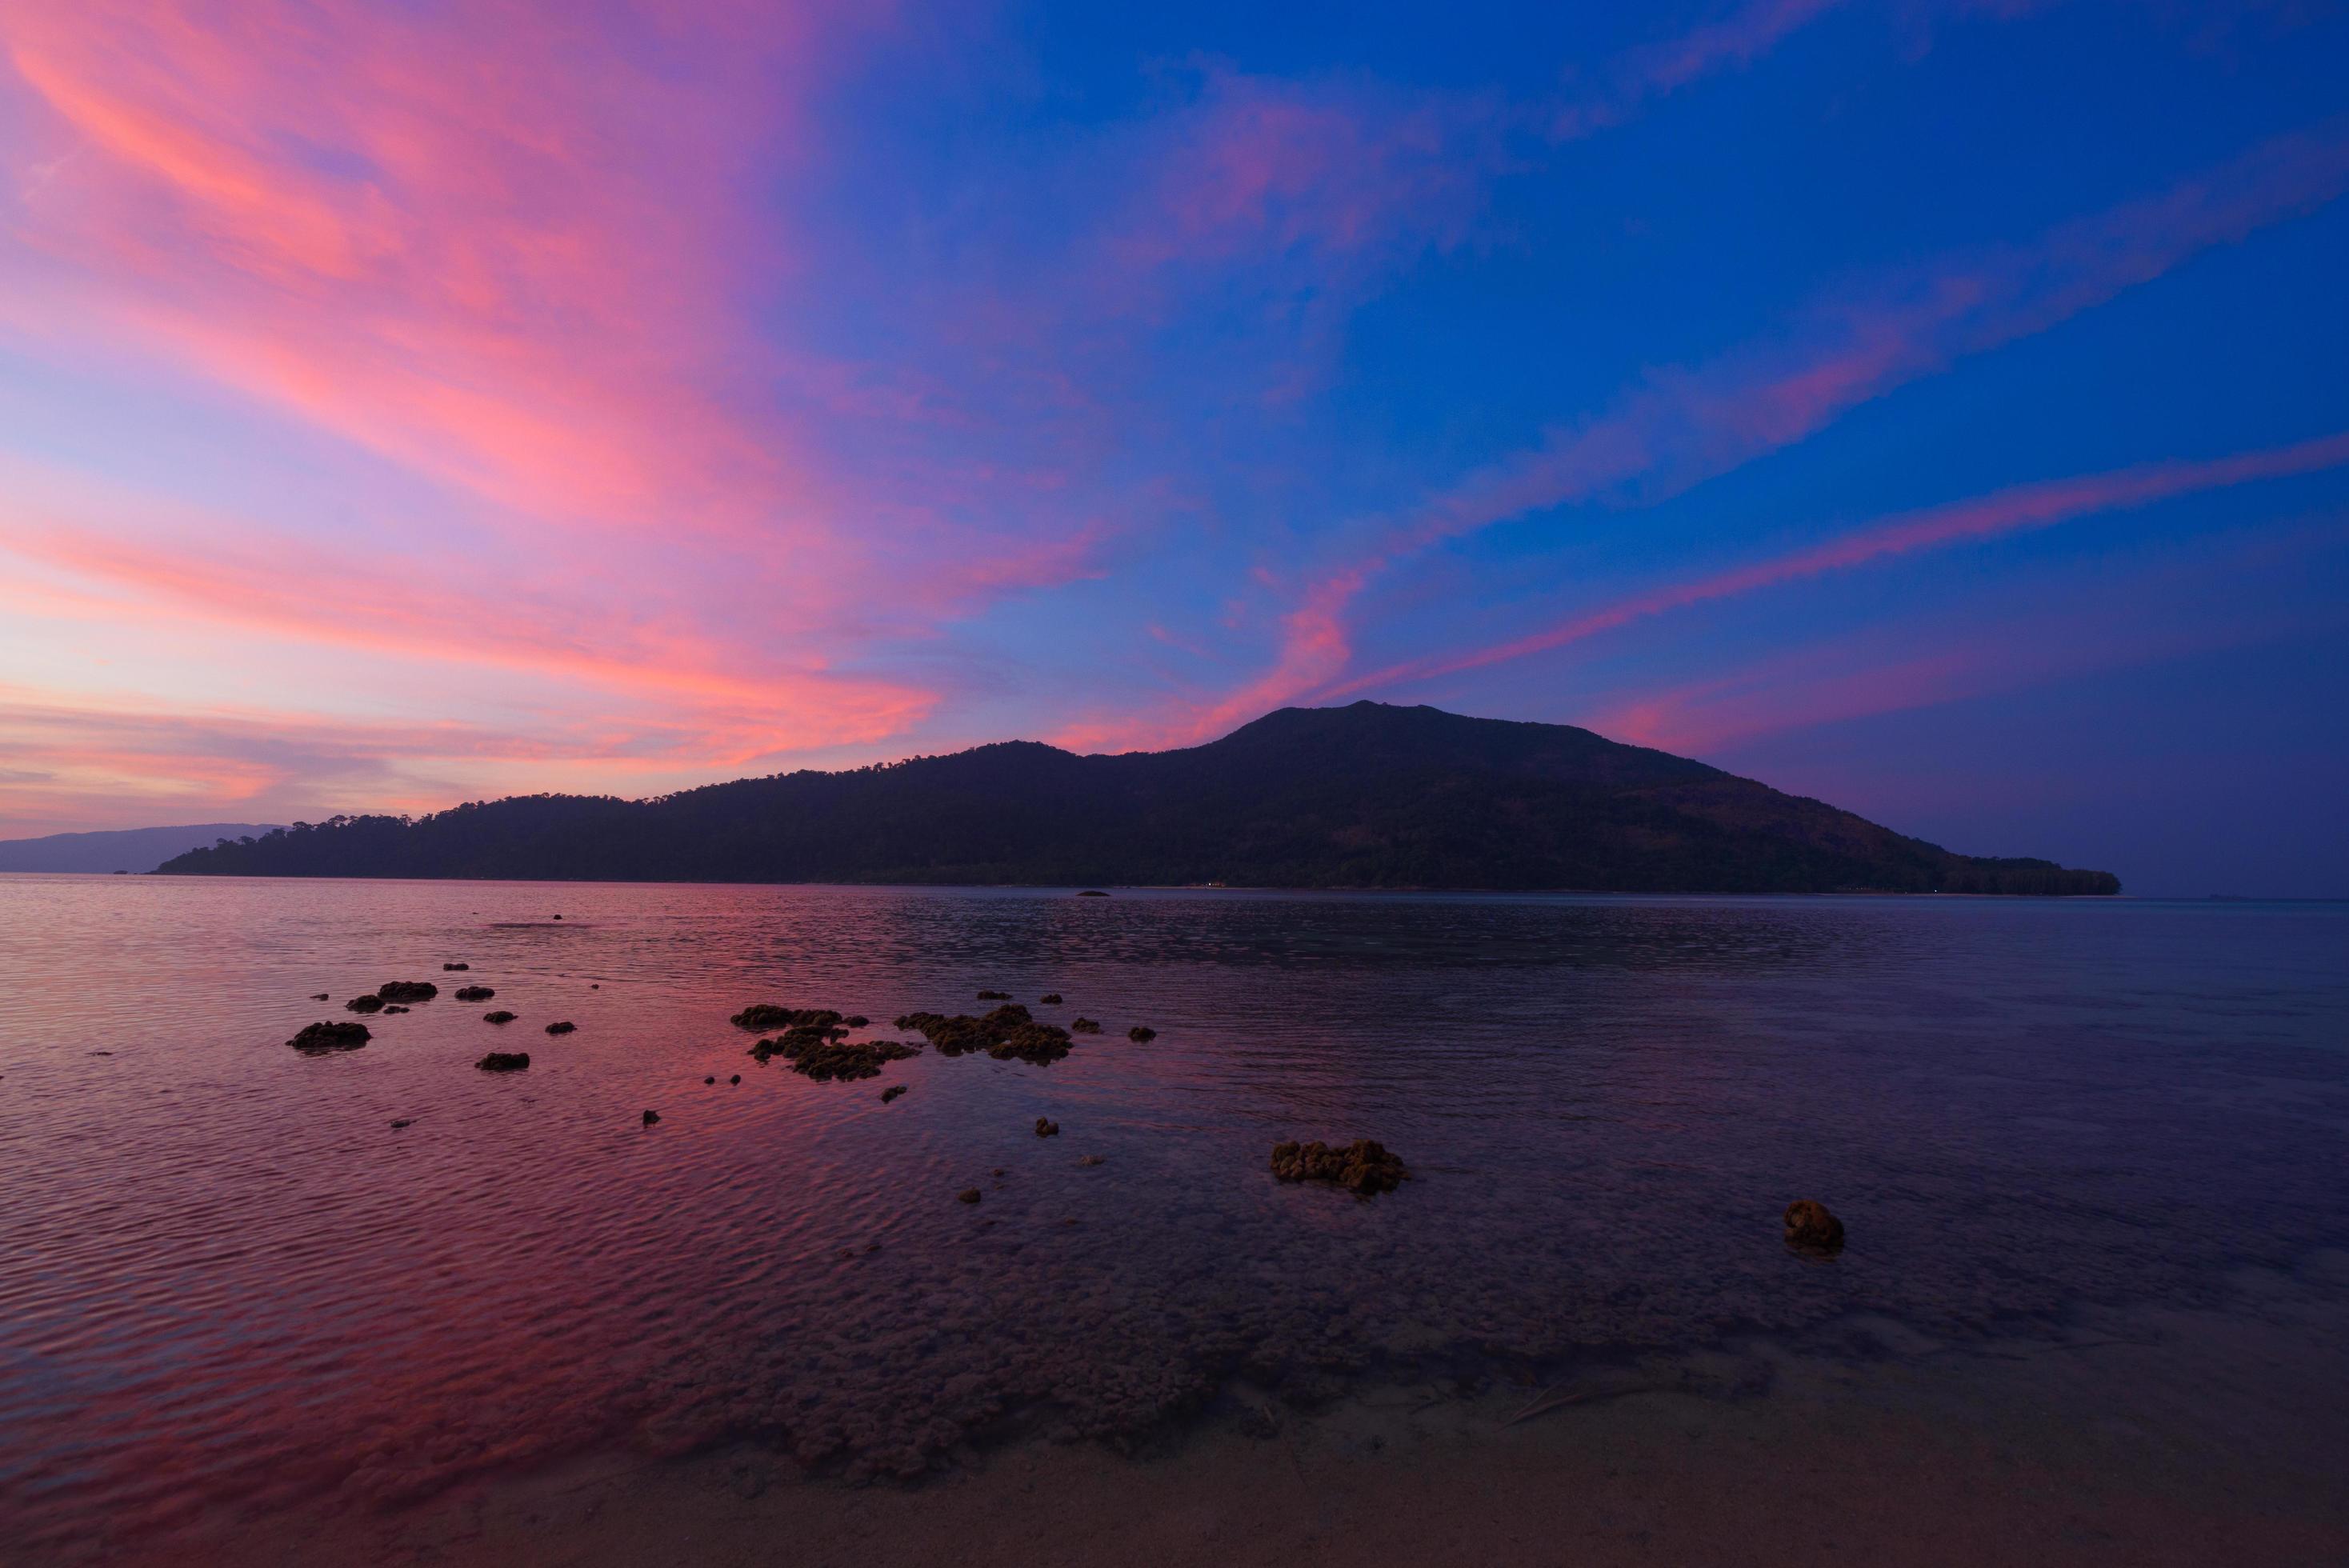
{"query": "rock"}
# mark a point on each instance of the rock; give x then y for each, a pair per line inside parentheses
(826, 1060)
(456, 966)
(995, 995)
(891, 1092)
(1005, 1033)
(504, 1062)
(736, 1078)
(475, 994)
(855, 1021)
(499, 1017)
(365, 1004)
(967, 1195)
(1810, 1228)
(338, 1036)
(1047, 1128)
(709, 1081)
(1084, 1026)
(1362, 1167)
(651, 1117)
(322, 996)
(1140, 1033)
(564, 1028)
(1092, 892)
(764, 1016)
(1050, 999)
(1092, 1159)
(407, 990)
(391, 1010)
(404, 1121)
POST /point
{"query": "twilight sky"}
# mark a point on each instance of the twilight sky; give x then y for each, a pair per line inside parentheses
(1938, 407)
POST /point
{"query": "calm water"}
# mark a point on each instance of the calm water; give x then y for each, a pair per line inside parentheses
(228, 1283)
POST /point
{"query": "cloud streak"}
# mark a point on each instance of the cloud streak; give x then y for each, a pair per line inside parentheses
(1685, 425)
(2017, 509)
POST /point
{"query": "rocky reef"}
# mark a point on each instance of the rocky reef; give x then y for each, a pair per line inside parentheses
(1811, 1228)
(318, 1038)
(1363, 1167)
(1009, 1032)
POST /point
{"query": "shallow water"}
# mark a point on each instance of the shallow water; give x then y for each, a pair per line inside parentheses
(228, 1284)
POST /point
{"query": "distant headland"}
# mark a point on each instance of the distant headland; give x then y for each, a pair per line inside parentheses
(1366, 796)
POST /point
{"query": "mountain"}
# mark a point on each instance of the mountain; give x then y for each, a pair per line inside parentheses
(1364, 796)
(132, 850)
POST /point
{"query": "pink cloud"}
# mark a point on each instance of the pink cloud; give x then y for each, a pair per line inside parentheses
(1735, 41)
(109, 762)
(1901, 667)
(735, 702)
(496, 251)
(1683, 426)
(2023, 506)
(1261, 168)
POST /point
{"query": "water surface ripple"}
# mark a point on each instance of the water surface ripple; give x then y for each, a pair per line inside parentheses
(228, 1283)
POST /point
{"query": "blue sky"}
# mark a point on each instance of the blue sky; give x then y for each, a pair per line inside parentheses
(1936, 408)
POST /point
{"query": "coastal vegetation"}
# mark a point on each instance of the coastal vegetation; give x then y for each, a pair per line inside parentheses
(1367, 796)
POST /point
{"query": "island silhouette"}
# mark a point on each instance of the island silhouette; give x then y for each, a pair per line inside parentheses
(1364, 796)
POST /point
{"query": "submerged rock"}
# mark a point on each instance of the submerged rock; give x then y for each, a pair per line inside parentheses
(1092, 1159)
(995, 995)
(709, 1081)
(967, 1195)
(390, 1010)
(564, 1028)
(365, 1004)
(1047, 1128)
(1050, 999)
(892, 1091)
(736, 1078)
(651, 1117)
(337, 1036)
(322, 996)
(1092, 892)
(499, 1017)
(1140, 1033)
(1362, 1167)
(1084, 1026)
(475, 994)
(504, 1062)
(1811, 1228)
(403, 1121)
(407, 990)
(456, 966)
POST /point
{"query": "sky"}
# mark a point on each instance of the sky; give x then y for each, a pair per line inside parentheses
(1937, 407)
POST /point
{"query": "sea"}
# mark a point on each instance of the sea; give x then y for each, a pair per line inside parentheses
(241, 1283)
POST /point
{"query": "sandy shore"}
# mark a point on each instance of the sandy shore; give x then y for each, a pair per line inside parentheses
(2153, 1437)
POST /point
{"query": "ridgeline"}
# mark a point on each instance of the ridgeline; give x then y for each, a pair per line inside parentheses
(1367, 796)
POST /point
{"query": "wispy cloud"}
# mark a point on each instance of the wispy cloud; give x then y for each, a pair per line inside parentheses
(1685, 425)
(2011, 511)
(1733, 41)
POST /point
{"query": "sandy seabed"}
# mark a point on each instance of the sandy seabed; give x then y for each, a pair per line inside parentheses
(2153, 1435)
